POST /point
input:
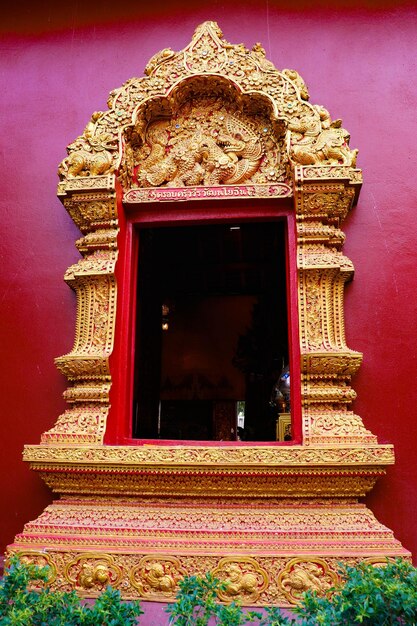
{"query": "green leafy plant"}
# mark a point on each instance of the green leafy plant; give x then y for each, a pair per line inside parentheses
(197, 605)
(196, 601)
(22, 605)
(369, 595)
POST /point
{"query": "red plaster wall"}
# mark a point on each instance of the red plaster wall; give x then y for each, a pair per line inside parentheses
(58, 64)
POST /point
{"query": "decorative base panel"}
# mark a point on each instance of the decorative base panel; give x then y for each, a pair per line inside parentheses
(266, 552)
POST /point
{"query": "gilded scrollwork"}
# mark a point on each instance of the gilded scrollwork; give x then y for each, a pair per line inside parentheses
(343, 364)
(209, 457)
(312, 291)
(78, 369)
(206, 52)
(329, 391)
(117, 518)
(326, 425)
(100, 239)
(313, 233)
(82, 423)
(328, 204)
(158, 59)
(308, 484)
(319, 257)
(88, 186)
(101, 262)
(88, 392)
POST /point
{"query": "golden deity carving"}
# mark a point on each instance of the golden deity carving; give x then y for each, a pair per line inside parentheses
(207, 143)
(215, 121)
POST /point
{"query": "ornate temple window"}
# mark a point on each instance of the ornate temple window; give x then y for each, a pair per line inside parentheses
(214, 155)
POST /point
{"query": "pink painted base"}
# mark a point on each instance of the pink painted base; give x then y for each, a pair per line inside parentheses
(155, 615)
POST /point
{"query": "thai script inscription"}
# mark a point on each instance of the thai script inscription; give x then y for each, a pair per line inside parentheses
(164, 194)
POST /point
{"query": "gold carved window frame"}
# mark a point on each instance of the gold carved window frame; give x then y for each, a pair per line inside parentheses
(323, 183)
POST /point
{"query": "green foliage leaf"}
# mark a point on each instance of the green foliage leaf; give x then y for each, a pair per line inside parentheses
(371, 596)
(197, 605)
(21, 605)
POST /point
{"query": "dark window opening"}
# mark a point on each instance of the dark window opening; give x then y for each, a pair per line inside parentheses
(212, 334)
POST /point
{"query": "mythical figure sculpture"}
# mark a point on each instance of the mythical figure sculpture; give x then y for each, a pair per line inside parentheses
(89, 154)
(306, 576)
(159, 580)
(239, 582)
(320, 140)
(230, 155)
(91, 575)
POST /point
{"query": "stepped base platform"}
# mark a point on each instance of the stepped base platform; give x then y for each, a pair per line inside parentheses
(268, 551)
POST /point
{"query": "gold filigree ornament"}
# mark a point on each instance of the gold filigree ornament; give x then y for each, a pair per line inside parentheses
(214, 122)
(306, 574)
(157, 576)
(92, 572)
(244, 579)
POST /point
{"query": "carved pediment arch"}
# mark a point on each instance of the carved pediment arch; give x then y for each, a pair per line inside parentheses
(205, 133)
(311, 137)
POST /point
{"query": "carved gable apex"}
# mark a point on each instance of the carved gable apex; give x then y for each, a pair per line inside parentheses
(214, 66)
(208, 53)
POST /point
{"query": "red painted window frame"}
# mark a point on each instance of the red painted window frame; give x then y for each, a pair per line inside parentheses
(119, 424)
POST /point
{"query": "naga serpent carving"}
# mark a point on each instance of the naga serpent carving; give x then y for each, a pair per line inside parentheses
(229, 156)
